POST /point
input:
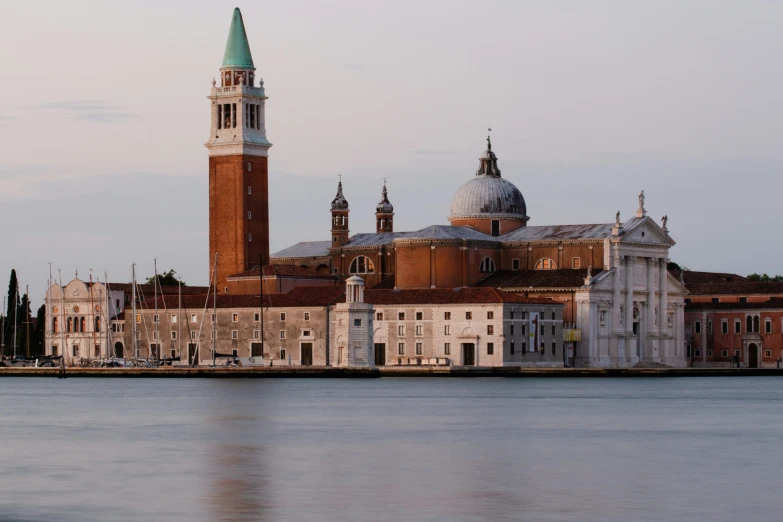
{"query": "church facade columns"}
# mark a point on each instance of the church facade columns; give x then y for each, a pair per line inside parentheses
(663, 299)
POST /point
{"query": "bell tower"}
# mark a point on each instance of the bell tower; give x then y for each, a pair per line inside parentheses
(384, 213)
(238, 166)
(340, 211)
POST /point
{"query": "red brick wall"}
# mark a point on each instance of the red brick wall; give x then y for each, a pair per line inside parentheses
(485, 225)
(229, 203)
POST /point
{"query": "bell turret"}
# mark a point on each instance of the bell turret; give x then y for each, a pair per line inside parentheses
(384, 213)
(339, 217)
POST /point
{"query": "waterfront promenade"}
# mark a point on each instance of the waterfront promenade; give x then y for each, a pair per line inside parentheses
(386, 371)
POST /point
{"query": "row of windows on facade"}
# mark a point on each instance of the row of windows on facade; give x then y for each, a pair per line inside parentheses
(688, 300)
(227, 116)
(75, 325)
(419, 348)
(234, 317)
(468, 315)
(723, 353)
(419, 329)
(752, 325)
(364, 265)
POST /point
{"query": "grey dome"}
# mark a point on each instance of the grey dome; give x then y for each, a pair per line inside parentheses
(488, 195)
(384, 207)
(339, 202)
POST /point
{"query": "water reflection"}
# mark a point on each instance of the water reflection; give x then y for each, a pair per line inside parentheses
(237, 488)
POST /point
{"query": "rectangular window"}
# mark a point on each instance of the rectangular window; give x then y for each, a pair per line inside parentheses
(173, 318)
(75, 350)
(490, 348)
(447, 330)
(138, 318)
(419, 348)
(724, 327)
(214, 318)
(379, 316)
(554, 348)
(256, 350)
(447, 316)
(357, 322)
(234, 115)
(697, 327)
(400, 348)
(419, 329)
(307, 333)
(554, 316)
(468, 315)
(576, 262)
(743, 299)
(97, 350)
(282, 354)
(737, 326)
(716, 300)
(419, 316)
(401, 316)
(697, 353)
(767, 353)
(193, 335)
(155, 335)
(515, 264)
(256, 334)
(447, 349)
(511, 330)
(490, 329)
(553, 329)
(709, 326)
(511, 347)
(767, 326)
(490, 315)
(256, 317)
(173, 335)
(234, 318)
(724, 353)
(234, 352)
(220, 116)
(193, 318)
(282, 316)
(282, 334)
(709, 353)
(235, 334)
(213, 334)
(401, 329)
(307, 316)
(155, 318)
(511, 314)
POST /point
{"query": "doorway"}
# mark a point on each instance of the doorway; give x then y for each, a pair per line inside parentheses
(380, 354)
(753, 356)
(307, 354)
(468, 354)
(119, 353)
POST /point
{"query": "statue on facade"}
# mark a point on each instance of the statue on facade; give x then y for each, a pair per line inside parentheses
(665, 221)
(589, 278)
(617, 219)
(641, 200)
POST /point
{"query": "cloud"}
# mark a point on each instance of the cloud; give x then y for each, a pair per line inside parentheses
(88, 110)
(432, 152)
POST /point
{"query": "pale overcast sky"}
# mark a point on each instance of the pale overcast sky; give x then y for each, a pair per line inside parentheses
(104, 115)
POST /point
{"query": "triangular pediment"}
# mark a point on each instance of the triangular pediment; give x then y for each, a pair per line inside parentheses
(645, 230)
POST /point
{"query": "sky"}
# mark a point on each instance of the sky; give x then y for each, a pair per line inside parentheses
(104, 116)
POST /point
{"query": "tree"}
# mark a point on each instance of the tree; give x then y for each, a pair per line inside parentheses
(765, 278)
(12, 305)
(166, 279)
(24, 327)
(671, 265)
(40, 332)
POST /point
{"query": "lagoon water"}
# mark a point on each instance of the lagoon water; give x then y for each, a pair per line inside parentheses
(550, 449)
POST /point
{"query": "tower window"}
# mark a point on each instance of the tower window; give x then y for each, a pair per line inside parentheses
(362, 265)
(249, 215)
(249, 166)
(249, 190)
(258, 117)
(515, 264)
(234, 115)
(495, 227)
(487, 265)
(249, 238)
(252, 117)
(220, 116)
(247, 120)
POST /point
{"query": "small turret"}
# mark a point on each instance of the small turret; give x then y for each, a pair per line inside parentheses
(384, 213)
(339, 217)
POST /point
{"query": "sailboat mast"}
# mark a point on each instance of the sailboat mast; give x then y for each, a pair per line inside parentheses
(27, 321)
(261, 284)
(179, 322)
(92, 309)
(16, 316)
(157, 318)
(133, 313)
(2, 330)
(62, 316)
(49, 324)
(106, 304)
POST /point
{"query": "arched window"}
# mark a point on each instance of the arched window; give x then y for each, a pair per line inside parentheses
(82, 325)
(487, 265)
(749, 326)
(362, 265)
(54, 325)
(546, 264)
(69, 322)
(756, 324)
(97, 323)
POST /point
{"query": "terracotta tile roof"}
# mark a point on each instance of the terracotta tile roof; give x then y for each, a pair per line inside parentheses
(742, 287)
(560, 278)
(164, 289)
(691, 276)
(472, 295)
(302, 296)
(774, 302)
(286, 271)
(305, 249)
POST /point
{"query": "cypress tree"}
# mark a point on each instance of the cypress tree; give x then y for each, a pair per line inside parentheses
(12, 304)
(24, 327)
(40, 332)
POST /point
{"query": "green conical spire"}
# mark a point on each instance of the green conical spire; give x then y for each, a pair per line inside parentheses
(237, 49)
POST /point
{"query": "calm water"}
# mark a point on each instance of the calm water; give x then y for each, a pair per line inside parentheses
(393, 449)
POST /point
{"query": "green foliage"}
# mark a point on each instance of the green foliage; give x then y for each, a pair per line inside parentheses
(12, 307)
(765, 278)
(671, 265)
(37, 348)
(166, 279)
(25, 330)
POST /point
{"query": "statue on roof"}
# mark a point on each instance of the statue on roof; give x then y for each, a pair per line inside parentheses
(641, 200)
(664, 222)
(617, 219)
